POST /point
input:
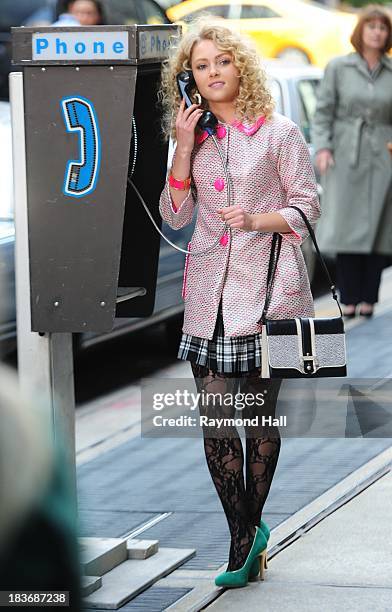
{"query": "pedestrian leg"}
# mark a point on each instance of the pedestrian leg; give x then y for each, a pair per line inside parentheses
(349, 273)
(374, 263)
(225, 460)
(263, 442)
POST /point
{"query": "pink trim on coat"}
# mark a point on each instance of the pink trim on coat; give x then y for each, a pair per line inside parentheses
(173, 206)
(221, 130)
(292, 236)
(183, 292)
(250, 130)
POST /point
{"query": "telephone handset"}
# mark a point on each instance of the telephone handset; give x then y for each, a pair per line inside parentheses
(208, 122)
(186, 82)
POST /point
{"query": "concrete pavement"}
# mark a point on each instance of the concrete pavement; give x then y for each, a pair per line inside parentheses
(343, 563)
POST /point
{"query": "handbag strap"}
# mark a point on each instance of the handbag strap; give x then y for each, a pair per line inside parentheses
(273, 261)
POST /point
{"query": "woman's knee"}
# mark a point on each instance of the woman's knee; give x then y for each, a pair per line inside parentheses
(216, 402)
(260, 399)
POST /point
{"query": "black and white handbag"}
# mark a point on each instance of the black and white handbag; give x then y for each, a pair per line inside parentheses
(303, 347)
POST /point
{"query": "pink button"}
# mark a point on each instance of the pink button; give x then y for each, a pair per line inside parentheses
(224, 240)
(219, 184)
(221, 131)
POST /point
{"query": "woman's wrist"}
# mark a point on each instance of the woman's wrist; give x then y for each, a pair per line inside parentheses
(183, 153)
(257, 222)
(270, 222)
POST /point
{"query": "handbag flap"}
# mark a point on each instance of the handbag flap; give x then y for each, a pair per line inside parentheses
(281, 327)
(334, 325)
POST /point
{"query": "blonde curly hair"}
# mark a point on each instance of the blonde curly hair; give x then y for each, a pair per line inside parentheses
(253, 100)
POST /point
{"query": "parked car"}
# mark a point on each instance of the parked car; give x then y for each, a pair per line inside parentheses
(44, 12)
(294, 90)
(294, 30)
(7, 236)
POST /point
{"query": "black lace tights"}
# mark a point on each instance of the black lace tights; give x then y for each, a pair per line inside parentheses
(242, 503)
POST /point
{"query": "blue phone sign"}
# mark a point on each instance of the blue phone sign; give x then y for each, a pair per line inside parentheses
(81, 174)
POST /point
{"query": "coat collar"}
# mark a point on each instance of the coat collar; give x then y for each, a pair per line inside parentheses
(356, 59)
(221, 130)
(249, 130)
(386, 61)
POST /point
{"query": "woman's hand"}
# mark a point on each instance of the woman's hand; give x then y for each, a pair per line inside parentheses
(186, 121)
(236, 217)
(324, 159)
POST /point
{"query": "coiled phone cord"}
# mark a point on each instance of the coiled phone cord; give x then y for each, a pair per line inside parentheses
(229, 194)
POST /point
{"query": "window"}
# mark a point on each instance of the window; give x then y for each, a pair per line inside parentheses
(123, 13)
(152, 13)
(165, 4)
(276, 92)
(307, 92)
(130, 12)
(217, 11)
(6, 177)
(257, 12)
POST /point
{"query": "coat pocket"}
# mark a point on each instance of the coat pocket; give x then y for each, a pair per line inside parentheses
(183, 292)
(289, 272)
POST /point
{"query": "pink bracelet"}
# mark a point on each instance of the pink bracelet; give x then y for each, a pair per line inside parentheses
(180, 185)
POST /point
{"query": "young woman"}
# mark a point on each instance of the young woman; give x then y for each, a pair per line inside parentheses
(224, 290)
(352, 134)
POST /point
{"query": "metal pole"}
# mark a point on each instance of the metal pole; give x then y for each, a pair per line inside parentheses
(45, 362)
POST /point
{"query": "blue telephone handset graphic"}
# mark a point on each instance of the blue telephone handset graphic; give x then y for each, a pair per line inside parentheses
(81, 174)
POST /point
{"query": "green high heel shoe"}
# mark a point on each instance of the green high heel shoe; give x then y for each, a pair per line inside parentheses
(239, 578)
(256, 566)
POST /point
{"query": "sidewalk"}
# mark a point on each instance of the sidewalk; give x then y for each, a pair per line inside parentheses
(343, 563)
(134, 487)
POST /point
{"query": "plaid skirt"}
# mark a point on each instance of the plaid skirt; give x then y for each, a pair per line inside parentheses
(228, 355)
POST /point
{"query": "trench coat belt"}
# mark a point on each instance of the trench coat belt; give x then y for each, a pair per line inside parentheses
(359, 123)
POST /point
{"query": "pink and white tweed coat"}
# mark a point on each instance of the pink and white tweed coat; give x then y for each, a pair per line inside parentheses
(270, 168)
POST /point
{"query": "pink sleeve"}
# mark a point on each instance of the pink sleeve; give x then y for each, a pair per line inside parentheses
(176, 217)
(298, 179)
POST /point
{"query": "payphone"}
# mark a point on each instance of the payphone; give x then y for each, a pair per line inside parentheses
(86, 250)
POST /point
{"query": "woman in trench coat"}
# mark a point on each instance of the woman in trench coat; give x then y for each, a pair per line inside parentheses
(224, 289)
(352, 135)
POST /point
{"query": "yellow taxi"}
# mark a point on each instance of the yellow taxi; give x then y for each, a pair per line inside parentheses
(294, 30)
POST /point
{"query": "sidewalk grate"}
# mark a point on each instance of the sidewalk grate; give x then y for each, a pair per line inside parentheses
(104, 524)
(306, 469)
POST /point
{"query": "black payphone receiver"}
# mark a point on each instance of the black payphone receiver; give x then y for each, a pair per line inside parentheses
(186, 82)
(208, 122)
